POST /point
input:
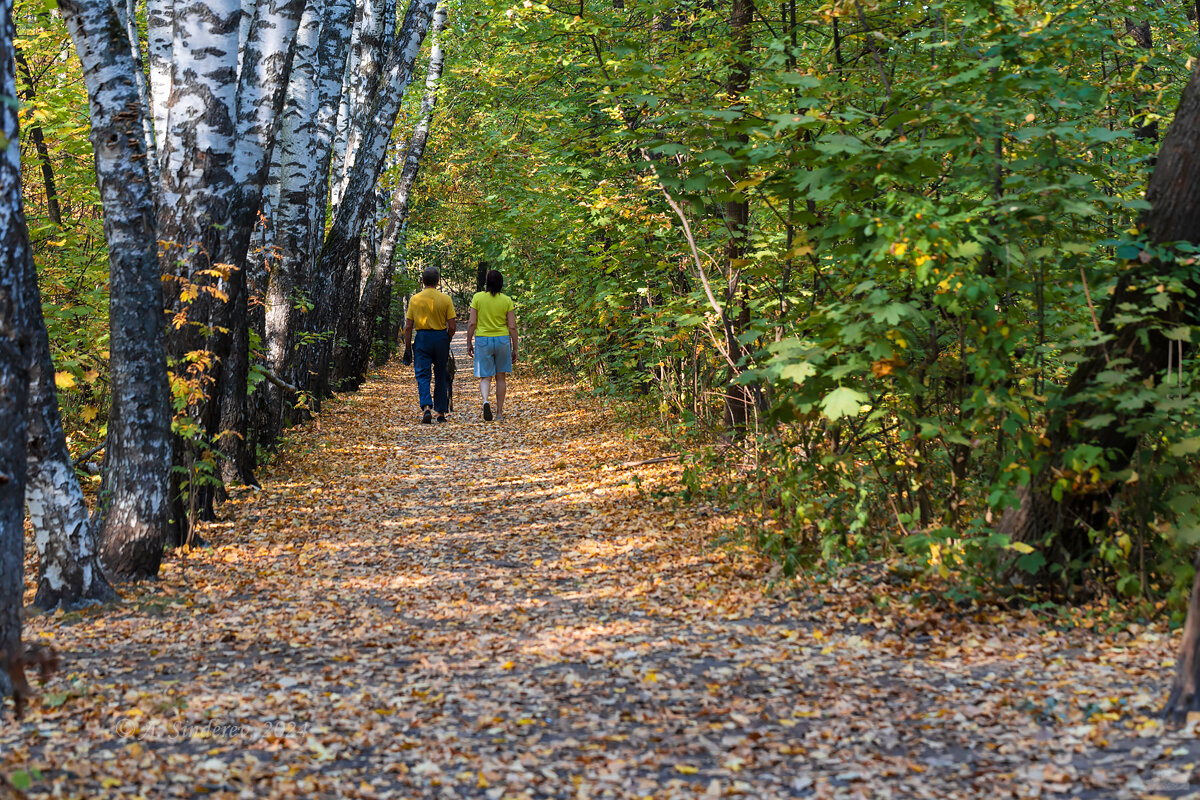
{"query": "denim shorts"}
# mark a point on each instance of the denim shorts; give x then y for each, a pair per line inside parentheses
(492, 354)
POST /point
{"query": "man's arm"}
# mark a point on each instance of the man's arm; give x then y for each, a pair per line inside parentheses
(451, 327)
(472, 321)
(512, 333)
(408, 329)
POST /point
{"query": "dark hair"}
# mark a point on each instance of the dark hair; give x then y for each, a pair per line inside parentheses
(430, 276)
(494, 282)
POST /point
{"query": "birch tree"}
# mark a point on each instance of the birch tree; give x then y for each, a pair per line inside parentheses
(15, 350)
(196, 199)
(377, 284)
(305, 143)
(358, 200)
(266, 59)
(69, 571)
(134, 497)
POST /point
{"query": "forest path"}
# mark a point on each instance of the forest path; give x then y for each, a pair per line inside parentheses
(494, 611)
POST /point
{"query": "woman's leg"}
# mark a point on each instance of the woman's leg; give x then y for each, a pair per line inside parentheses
(485, 388)
(501, 389)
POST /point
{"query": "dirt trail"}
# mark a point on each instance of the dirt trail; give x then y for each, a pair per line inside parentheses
(495, 611)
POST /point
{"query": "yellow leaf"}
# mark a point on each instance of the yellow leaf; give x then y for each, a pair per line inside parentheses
(686, 769)
(89, 413)
(1021, 548)
(508, 665)
(64, 380)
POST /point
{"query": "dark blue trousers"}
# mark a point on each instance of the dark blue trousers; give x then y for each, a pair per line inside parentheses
(431, 350)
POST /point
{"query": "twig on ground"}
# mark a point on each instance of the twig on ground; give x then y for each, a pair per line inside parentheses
(658, 460)
(86, 456)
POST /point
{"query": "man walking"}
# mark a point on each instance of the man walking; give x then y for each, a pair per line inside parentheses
(431, 313)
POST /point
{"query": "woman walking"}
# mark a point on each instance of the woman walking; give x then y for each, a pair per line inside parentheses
(492, 340)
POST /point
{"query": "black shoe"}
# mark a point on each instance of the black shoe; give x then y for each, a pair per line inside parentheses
(487, 411)
(428, 418)
(441, 417)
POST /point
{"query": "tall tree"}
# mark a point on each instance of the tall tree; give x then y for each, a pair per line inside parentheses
(305, 143)
(358, 199)
(69, 570)
(377, 285)
(134, 497)
(266, 59)
(16, 348)
(735, 310)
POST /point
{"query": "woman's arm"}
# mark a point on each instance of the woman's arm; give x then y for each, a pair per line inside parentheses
(471, 321)
(512, 333)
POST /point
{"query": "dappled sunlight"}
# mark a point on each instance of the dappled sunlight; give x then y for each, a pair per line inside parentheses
(393, 587)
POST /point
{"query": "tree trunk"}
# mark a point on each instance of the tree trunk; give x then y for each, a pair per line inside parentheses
(738, 398)
(135, 490)
(16, 346)
(376, 293)
(342, 240)
(305, 142)
(160, 25)
(127, 11)
(266, 59)
(39, 144)
(198, 189)
(69, 571)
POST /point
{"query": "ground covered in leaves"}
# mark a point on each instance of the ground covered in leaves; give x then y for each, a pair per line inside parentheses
(502, 611)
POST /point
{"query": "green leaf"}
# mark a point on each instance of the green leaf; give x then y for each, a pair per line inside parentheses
(843, 402)
(797, 373)
(1186, 447)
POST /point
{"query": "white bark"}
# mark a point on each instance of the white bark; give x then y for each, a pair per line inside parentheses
(160, 28)
(133, 505)
(298, 173)
(14, 352)
(139, 77)
(398, 216)
(358, 201)
(362, 84)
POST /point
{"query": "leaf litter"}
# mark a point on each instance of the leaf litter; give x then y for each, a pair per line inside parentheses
(500, 610)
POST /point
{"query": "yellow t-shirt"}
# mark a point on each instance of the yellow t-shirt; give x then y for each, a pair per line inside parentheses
(430, 310)
(492, 313)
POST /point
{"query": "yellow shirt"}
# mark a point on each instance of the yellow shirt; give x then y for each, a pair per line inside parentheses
(492, 313)
(430, 310)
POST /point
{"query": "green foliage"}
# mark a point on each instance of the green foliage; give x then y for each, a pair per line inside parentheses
(940, 201)
(71, 257)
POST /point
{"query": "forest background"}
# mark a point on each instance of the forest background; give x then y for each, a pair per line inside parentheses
(855, 255)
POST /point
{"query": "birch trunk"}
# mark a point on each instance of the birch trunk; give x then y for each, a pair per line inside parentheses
(160, 26)
(15, 348)
(341, 243)
(362, 84)
(128, 14)
(134, 494)
(290, 222)
(303, 201)
(266, 58)
(69, 571)
(197, 195)
(376, 294)
(304, 155)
